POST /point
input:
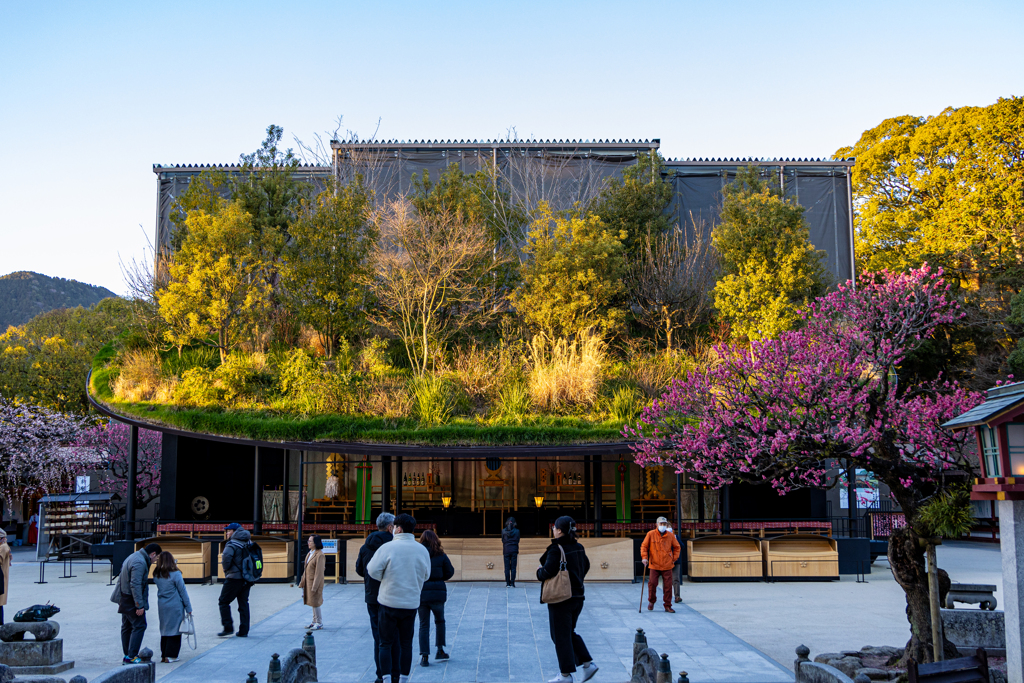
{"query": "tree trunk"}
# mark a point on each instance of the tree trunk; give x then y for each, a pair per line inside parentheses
(906, 558)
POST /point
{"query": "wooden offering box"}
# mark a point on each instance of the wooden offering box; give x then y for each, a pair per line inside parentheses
(724, 557)
(801, 556)
(194, 556)
(278, 557)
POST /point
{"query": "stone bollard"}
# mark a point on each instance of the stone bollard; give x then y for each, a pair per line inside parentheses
(78, 679)
(639, 644)
(274, 672)
(683, 677)
(146, 655)
(309, 645)
(251, 678)
(664, 670)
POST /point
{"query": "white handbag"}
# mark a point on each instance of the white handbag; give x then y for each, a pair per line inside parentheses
(188, 629)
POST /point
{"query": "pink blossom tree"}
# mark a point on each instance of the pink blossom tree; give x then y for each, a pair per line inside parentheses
(778, 411)
(35, 457)
(110, 442)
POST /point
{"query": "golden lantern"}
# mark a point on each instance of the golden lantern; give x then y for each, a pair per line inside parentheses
(446, 500)
(539, 500)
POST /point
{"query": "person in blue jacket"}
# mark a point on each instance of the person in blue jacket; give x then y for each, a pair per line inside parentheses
(433, 596)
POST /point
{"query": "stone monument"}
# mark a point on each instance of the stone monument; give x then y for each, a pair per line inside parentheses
(44, 653)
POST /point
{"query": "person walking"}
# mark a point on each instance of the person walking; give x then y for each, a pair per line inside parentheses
(312, 581)
(371, 586)
(562, 616)
(433, 596)
(510, 551)
(402, 567)
(659, 553)
(235, 585)
(133, 600)
(172, 604)
(5, 570)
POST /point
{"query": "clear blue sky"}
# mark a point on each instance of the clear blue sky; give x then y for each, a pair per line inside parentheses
(93, 93)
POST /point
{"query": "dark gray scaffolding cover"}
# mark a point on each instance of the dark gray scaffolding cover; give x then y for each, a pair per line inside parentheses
(564, 174)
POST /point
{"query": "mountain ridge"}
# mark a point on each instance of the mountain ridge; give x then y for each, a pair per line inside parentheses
(25, 294)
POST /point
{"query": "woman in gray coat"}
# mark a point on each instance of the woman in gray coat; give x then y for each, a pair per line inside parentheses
(173, 604)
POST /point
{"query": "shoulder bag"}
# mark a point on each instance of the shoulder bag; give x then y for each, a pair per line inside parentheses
(557, 588)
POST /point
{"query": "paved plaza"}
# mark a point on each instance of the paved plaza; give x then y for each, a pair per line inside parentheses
(730, 632)
(495, 634)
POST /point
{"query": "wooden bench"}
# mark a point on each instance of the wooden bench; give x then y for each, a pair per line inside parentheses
(960, 670)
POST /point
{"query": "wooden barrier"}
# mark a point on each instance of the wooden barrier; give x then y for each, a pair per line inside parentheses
(724, 557)
(801, 556)
(480, 559)
(193, 556)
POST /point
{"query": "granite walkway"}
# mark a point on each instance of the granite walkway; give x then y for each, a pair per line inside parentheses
(494, 635)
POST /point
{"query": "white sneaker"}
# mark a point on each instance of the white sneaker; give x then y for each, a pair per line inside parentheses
(561, 678)
(589, 669)
(172, 660)
(403, 679)
(317, 627)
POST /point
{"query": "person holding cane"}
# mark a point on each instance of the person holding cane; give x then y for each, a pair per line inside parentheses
(659, 553)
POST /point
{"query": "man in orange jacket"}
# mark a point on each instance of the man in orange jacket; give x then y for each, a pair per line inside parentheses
(659, 552)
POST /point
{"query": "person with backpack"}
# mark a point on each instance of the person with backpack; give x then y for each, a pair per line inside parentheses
(510, 551)
(402, 567)
(433, 595)
(132, 597)
(242, 565)
(566, 554)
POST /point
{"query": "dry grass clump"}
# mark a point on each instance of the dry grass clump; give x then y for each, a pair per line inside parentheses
(386, 397)
(565, 374)
(139, 379)
(479, 372)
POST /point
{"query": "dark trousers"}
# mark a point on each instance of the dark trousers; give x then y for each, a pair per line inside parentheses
(374, 612)
(569, 647)
(666, 590)
(235, 589)
(425, 610)
(170, 646)
(1, 615)
(510, 568)
(133, 627)
(396, 627)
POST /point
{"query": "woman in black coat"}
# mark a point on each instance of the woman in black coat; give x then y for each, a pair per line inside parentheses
(510, 551)
(433, 596)
(562, 616)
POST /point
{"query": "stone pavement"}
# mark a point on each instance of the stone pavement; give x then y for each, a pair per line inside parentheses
(494, 634)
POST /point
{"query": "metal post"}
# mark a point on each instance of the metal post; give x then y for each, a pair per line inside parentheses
(587, 497)
(398, 484)
(133, 476)
(598, 496)
(298, 517)
(287, 498)
(257, 494)
(723, 505)
(679, 500)
(851, 496)
(700, 502)
(385, 483)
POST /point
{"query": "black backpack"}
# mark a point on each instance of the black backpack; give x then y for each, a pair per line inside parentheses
(252, 562)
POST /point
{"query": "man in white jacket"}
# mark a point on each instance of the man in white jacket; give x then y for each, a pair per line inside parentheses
(402, 566)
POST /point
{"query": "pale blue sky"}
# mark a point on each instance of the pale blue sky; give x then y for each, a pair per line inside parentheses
(93, 93)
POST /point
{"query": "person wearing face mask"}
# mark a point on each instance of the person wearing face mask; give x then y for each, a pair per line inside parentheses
(659, 553)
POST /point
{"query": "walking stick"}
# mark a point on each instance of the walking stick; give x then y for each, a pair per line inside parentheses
(643, 584)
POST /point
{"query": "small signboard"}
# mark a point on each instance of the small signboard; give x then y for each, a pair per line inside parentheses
(82, 484)
(330, 546)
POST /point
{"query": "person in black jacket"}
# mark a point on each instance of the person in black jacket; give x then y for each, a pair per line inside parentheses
(562, 616)
(510, 550)
(385, 525)
(433, 596)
